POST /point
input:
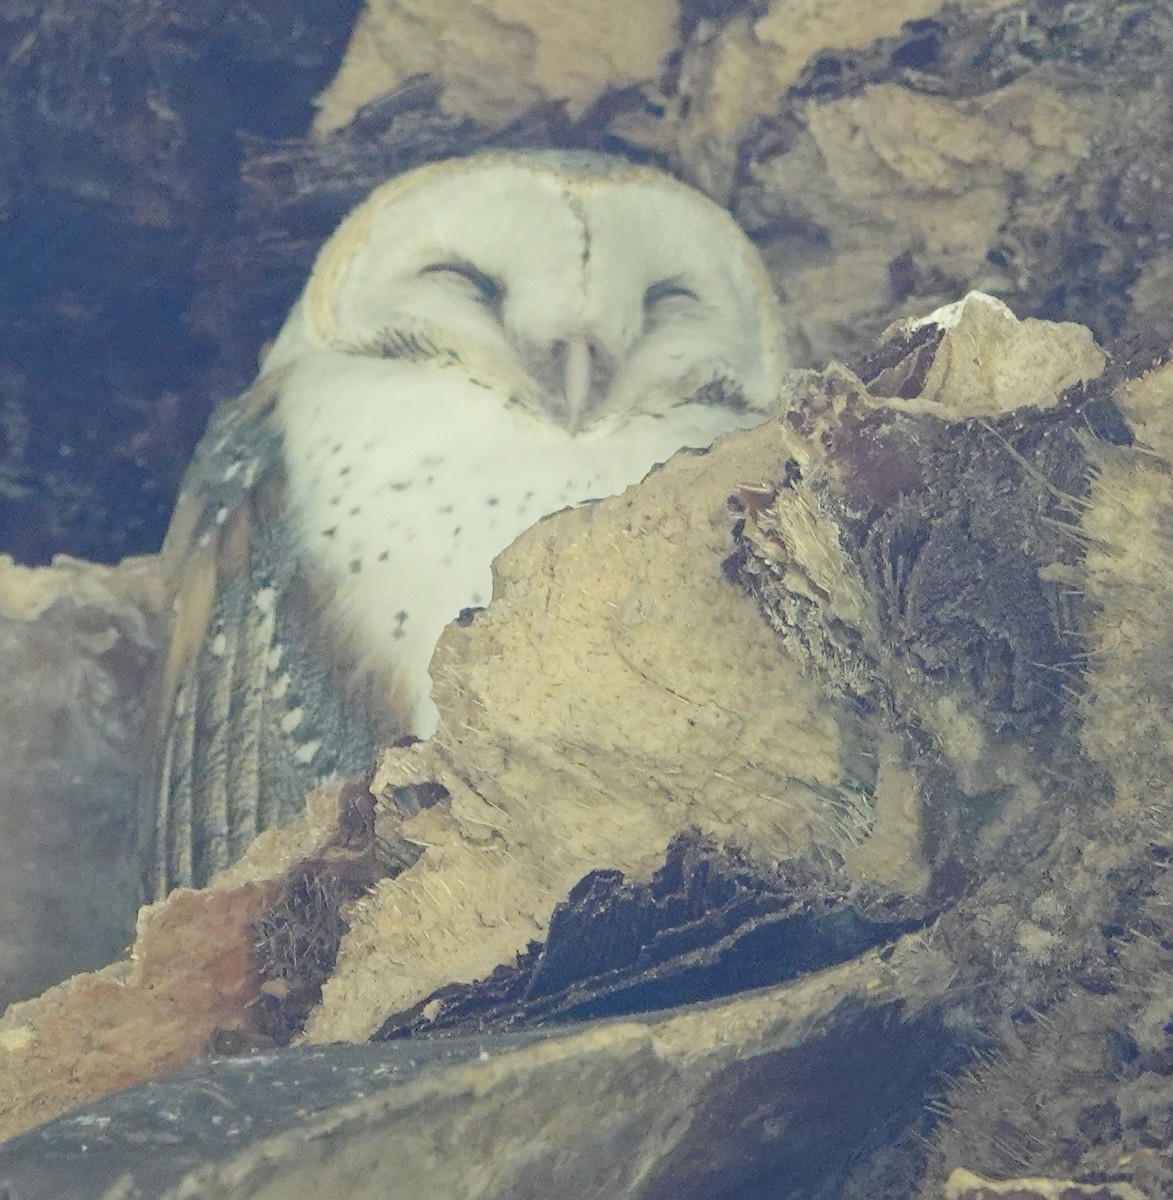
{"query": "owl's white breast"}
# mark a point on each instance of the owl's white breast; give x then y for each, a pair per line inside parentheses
(406, 480)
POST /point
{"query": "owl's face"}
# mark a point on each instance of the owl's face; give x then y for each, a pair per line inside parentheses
(585, 290)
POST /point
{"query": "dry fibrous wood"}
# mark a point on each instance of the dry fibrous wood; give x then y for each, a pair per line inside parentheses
(875, 697)
(935, 621)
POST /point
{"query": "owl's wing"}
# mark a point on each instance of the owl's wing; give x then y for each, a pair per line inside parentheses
(250, 714)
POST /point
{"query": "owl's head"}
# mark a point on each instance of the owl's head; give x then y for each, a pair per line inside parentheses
(585, 288)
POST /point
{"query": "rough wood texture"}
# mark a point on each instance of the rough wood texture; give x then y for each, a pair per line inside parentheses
(901, 583)
(680, 1106)
(191, 974)
(79, 646)
(931, 612)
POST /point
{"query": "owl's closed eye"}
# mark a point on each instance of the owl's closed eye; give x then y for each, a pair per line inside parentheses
(464, 277)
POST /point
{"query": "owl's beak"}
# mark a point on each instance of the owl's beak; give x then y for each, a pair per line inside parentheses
(582, 372)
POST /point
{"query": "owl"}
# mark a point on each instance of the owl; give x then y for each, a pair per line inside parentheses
(482, 342)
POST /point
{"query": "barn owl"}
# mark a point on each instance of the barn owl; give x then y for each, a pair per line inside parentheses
(482, 342)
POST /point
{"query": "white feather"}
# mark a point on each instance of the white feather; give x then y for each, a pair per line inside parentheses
(485, 342)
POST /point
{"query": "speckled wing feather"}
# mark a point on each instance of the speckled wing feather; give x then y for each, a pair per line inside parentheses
(251, 715)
